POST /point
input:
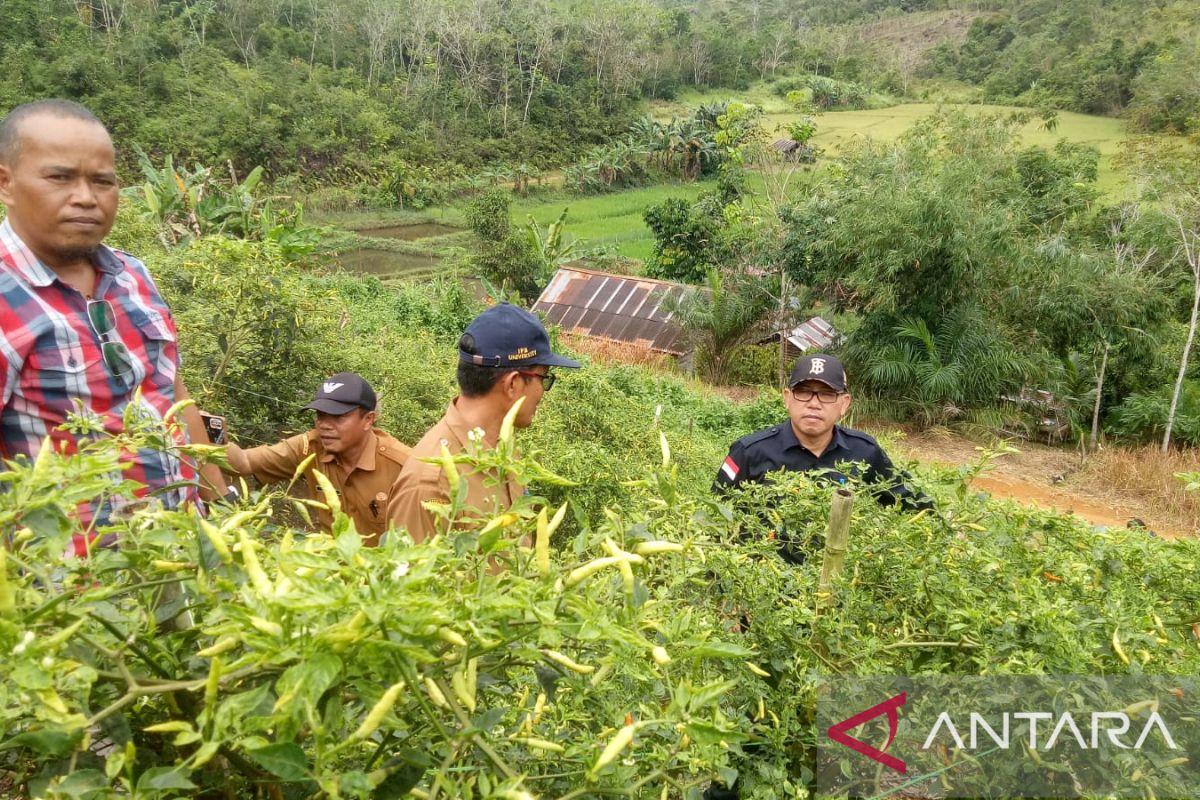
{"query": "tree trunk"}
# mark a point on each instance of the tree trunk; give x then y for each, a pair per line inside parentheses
(1183, 362)
(1096, 407)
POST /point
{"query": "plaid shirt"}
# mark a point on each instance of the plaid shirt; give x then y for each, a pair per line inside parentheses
(51, 360)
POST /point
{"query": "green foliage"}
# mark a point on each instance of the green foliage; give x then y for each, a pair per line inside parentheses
(732, 311)
(504, 256)
(932, 377)
(829, 94)
(608, 167)
(549, 246)
(187, 204)
(683, 240)
(259, 335)
(802, 130)
(310, 660)
(1143, 416)
(232, 652)
(1079, 56)
(958, 217)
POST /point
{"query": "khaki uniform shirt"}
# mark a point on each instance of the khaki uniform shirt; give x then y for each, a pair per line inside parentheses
(420, 481)
(363, 491)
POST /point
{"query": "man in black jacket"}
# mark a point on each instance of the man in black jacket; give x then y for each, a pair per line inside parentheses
(811, 440)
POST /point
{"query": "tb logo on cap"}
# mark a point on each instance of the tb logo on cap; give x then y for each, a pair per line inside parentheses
(331, 387)
(816, 367)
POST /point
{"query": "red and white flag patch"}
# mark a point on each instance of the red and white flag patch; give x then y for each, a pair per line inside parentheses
(730, 468)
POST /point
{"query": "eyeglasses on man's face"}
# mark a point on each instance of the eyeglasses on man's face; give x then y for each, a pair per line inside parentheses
(104, 322)
(547, 378)
(825, 396)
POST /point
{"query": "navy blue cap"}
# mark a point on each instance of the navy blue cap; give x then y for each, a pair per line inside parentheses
(508, 336)
(343, 392)
(819, 367)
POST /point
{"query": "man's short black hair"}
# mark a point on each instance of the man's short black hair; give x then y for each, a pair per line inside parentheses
(10, 126)
(476, 381)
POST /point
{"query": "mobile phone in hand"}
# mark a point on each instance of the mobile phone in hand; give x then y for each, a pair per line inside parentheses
(214, 426)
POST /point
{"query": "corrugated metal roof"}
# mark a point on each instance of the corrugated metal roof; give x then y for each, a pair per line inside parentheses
(621, 308)
(815, 334)
(785, 145)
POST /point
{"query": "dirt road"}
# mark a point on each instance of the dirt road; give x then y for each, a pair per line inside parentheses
(1046, 477)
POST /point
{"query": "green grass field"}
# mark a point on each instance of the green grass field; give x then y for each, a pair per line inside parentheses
(608, 219)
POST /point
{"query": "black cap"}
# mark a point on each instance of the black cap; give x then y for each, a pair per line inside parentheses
(819, 367)
(507, 336)
(343, 392)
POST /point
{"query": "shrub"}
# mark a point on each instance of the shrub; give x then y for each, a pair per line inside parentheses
(232, 654)
(256, 335)
(1143, 416)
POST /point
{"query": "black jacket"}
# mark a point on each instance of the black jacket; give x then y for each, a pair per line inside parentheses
(753, 456)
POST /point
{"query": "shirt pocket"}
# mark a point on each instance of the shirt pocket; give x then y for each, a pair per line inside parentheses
(160, 343)
(57, 366)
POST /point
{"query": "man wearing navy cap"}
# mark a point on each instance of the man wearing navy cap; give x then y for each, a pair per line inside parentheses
(504, 355)
(812, 441)
(361, 461)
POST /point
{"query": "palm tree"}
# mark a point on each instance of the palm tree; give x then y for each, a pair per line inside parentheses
(732, 311)
(938, 375)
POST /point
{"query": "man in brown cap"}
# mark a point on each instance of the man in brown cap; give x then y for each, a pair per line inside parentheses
(503, 356)
(361, 461)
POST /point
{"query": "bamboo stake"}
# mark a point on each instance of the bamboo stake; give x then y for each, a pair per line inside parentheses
(836, 543)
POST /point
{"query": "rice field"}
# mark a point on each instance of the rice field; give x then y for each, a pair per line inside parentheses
(614, 221)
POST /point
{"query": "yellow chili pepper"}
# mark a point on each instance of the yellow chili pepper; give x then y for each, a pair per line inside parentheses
(541, 544)
(222, 645)
(590, 568)
(1116, 643)
(380, 710)
(266, 626)
(757, 670)
(213, 684)
(654, 548)
(540, 744)
(506, 427)
(502, 521)
(217, 539)
(558, 518)
(452, 636)
(435, 694)
(449, 469)
(568, 662)
(262, 584)
(7, 602)
(458, 682)
(619, 742)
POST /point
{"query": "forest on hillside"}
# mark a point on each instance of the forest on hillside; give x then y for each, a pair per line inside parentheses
(346, 91)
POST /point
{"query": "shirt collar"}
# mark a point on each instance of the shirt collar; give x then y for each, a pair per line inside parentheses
(16, 255)
(790, 440)
(366, 461)
(457, 424)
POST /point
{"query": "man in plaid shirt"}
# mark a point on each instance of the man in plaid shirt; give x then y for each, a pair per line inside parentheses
(83, 327)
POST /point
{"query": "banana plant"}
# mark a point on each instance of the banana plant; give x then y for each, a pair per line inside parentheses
(549, 245)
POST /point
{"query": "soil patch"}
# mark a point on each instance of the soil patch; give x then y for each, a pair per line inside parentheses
(913, 34)
(1048, 478)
